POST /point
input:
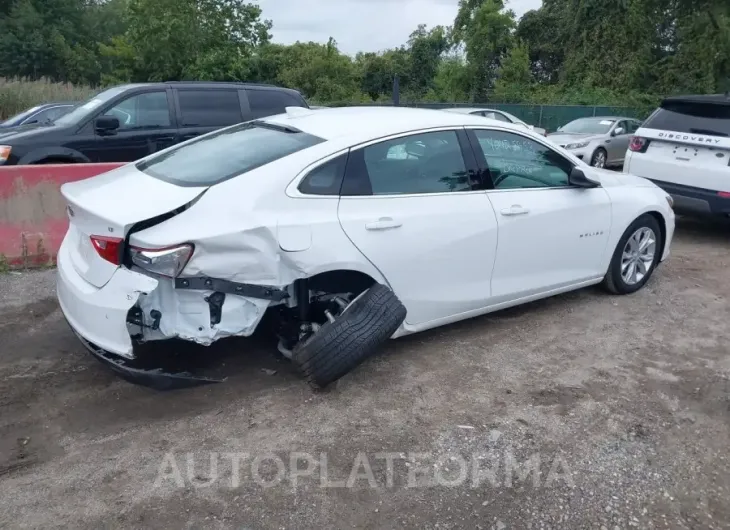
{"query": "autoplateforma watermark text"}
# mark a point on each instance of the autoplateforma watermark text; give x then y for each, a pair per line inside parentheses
(365, 470)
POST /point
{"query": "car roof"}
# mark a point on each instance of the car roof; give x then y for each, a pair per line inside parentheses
(712, 99)
(614, 118)
(466, 110)
(206, 85)
(359, 124)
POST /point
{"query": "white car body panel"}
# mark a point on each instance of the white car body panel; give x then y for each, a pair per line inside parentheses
(450, 240)
(447, 256)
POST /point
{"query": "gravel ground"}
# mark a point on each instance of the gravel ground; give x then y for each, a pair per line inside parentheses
(581, 411)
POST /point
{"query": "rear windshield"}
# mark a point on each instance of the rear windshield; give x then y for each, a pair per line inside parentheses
(226, 153)
(696, 118)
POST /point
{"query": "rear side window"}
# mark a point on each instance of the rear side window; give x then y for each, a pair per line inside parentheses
(688, 117)
(209, 108)
(269, 102)
(325, 179)
(225, 154)
(420, 163)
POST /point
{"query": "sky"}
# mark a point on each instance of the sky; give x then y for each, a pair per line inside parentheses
(362, 25)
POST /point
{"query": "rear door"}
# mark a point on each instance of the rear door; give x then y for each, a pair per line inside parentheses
(686, 143)
(203, 110)
(146, 126)
(410, 205)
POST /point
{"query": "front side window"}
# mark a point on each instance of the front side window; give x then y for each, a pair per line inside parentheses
(516, 161)
(623, 125)
(224, 154)
(209, 108)
(420, 163)
(143, 111)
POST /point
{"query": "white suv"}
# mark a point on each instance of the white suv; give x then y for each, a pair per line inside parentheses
(684, 147)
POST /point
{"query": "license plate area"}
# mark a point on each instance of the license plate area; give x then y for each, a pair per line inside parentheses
(690, 153)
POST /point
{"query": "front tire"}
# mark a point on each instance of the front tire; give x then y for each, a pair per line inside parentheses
(599, 158)
(339, 346)
(636, 256)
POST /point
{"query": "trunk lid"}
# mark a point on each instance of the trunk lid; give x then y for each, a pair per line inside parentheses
(108, 206)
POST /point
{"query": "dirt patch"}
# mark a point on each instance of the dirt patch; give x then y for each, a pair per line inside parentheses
(581, 411)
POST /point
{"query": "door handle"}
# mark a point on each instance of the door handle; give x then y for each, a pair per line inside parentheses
(384, 223)
(515, 209)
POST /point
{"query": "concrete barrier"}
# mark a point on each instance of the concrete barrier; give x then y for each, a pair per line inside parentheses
(33, 217)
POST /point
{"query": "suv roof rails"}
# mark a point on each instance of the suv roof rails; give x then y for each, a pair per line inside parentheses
(222, 83)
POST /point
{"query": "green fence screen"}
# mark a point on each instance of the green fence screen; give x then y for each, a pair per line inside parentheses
(549, 117)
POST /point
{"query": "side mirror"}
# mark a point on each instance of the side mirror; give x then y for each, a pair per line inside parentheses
(579, 179)
(618, 131)
(106, 124)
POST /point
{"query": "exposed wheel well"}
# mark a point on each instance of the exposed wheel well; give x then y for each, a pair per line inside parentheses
(341, 281)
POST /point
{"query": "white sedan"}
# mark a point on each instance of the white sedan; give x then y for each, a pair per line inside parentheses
(498, 115)
(347, 226)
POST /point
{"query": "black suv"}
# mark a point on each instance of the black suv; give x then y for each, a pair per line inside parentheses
(129, 122)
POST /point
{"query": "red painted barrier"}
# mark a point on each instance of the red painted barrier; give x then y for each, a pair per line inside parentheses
(33, 212)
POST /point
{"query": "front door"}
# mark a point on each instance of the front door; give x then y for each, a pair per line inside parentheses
(145, 127)
(551, 235)
(618, 143)
(409, 206)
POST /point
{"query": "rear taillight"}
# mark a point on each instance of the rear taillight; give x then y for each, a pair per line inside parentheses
(638, 144)
(109, 248)
(169, 261)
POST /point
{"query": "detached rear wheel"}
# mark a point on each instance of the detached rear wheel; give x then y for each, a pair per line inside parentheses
(635, 257)
(350, 337)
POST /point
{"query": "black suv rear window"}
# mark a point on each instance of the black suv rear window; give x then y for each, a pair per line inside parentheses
(691, 117)
(226, 153)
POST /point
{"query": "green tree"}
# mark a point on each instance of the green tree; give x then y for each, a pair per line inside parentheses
(485, 28)
(514, 79)
(320, 71)
(43, 38)
(425, 49)
(188, 39)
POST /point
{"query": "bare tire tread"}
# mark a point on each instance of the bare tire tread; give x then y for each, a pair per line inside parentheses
(340, 346)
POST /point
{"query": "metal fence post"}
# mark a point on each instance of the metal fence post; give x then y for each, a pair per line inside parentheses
(594, 111)
(539, 120)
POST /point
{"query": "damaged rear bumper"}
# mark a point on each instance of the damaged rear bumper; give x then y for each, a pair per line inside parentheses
(157, 378)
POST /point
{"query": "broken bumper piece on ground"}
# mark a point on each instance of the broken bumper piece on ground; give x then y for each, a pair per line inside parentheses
(155, 378)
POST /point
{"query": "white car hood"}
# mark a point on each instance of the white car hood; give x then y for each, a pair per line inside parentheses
(564, 139)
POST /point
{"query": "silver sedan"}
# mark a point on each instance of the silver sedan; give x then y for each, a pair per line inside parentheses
(598, 141)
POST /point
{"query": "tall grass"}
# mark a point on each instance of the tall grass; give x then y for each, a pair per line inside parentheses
(17, 95)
